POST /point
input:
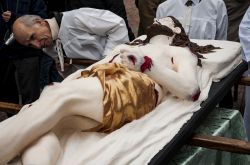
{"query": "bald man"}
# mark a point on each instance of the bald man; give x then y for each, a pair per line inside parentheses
(33, 31)
(84, 33)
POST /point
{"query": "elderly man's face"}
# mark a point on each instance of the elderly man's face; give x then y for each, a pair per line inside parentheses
(38, 36)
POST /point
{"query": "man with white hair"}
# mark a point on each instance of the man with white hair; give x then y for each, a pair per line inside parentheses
(84, 33)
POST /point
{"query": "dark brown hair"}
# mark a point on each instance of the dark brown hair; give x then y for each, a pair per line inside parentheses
(181, 40)
(158, 29)
(153, 30)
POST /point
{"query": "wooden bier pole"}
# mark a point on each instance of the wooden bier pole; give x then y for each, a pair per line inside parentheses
(244, 81)
(221, 143)
(10, 107)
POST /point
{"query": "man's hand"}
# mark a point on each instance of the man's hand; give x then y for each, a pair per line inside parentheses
(6, 16)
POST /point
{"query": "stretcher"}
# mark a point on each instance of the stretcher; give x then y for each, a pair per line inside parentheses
(185, 135)
(165, 150)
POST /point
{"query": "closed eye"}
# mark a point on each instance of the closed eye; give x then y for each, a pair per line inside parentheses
(31, 37)
(132, 58)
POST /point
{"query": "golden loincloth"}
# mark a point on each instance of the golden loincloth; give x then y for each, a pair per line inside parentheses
(128, 95)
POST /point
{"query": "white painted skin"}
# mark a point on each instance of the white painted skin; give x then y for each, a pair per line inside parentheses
(74, 98)
(33, 130)
(174, 68)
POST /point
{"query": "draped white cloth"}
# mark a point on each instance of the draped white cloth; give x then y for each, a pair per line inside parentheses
(137, 142)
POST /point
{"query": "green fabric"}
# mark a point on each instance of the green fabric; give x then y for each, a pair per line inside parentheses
(220, 122)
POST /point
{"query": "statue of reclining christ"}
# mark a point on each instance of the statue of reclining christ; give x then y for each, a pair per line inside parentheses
(107, 96)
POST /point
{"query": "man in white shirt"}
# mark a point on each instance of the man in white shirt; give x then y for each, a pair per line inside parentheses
(244, 35)
(203, 19)
(84, 33)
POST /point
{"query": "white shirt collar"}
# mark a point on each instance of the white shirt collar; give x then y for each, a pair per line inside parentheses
(53, 27)
(194, 1)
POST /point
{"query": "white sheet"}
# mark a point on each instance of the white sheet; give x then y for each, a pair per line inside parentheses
(138, 142)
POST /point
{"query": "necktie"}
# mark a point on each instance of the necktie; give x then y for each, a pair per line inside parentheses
(188, 16)
(189, 3)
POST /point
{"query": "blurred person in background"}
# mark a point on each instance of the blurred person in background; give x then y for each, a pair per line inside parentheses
(147, 12)
(235, 10)
(244, 35)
